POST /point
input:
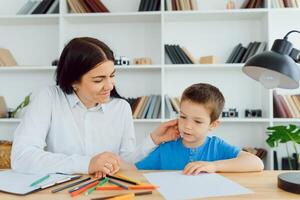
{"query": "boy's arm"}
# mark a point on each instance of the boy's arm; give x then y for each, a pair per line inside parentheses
(244, 162)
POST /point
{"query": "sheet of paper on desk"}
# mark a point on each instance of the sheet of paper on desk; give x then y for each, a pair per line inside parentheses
(19, 183)
(175, 185)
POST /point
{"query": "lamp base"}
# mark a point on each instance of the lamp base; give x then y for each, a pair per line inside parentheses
(289, 182)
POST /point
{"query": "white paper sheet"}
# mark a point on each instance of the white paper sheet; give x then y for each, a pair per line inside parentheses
(177, 186)
(19, 183)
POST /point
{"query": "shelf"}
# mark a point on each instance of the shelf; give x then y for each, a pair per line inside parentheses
(28, 68)
(147, 120)
(241, 14)
(134, 17)
(30, 19)
(9, 120)
(205, 66)
(287, 120)
(14, 120)
(245, 120)
(52, 68)
(138, 67)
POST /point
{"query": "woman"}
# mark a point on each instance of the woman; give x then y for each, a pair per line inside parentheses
(82, 125)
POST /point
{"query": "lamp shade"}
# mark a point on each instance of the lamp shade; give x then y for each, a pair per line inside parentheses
(274, 68)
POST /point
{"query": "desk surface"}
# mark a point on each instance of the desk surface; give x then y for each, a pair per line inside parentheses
(264, 185)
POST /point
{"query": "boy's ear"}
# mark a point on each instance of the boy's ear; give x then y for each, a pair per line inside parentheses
(214, 124)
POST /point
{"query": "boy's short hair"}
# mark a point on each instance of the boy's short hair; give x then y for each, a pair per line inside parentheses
(208, 95)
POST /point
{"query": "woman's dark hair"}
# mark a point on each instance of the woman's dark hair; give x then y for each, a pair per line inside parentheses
(78, 57)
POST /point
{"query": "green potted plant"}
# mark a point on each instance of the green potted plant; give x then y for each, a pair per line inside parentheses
(285, 135)
(22, 105)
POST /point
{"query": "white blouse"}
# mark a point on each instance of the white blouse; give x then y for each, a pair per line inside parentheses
(59, 134)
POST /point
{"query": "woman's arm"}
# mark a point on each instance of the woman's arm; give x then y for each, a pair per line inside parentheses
(28, 154)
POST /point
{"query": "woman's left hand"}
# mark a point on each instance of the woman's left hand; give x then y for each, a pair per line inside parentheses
(166, 131)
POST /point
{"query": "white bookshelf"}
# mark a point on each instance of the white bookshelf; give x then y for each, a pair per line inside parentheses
(36, 40)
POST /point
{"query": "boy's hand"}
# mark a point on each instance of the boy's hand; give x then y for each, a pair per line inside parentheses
(195, 168)
(167, 131)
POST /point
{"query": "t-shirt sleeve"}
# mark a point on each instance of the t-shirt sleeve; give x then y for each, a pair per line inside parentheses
(228, 151)
(151, 162)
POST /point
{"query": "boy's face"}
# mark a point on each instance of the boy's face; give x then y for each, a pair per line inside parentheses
(194, 123)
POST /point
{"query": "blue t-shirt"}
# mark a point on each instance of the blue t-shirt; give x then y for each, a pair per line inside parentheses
(175, 156)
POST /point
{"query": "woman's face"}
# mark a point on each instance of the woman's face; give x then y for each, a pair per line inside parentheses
(95, 86)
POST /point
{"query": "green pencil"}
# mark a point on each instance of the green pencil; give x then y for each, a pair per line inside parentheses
(40, 180)
(94, 188)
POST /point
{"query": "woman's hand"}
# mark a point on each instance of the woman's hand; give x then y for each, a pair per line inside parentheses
(195, 168)
(104, 163)
(167, 131)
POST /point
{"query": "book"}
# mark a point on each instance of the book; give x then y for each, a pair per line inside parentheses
(79, 6)
(289, 107)
(181, 53)
(194, 4)
(146, 98)
(142, 4)
(25, 8)
(146, 108)
(240, 54)
(54, 8)
(156, 109)
(151, 107)
(170, 56)
(234, 53)
(20, 183)
(189, 55)
(101, 6)
(244, 59)
(72, 8)
(7, 58)
(43, 7)
(278, 108)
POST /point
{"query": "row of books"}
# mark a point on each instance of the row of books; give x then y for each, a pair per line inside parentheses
(172, 107)
(146, 107)
(285, 3)
(86, 6)
(149, 5)
(177, 55)
(6, 58)
(181, 5)
(252, 4)
(286, 106)
(39, 7)
(241, 54)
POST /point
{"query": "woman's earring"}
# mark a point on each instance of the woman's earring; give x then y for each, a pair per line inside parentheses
(75, 88)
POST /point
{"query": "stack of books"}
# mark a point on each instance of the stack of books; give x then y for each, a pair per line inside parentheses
(253, 4)
(172, 107)
(39, 7)
(146, 107)
(286, 106)
(285, 3)
(86, 6)
(241, 54)
(181, 5)
(149, 5)
(177, 55)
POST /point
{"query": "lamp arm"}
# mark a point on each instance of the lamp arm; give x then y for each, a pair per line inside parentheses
(293, 31)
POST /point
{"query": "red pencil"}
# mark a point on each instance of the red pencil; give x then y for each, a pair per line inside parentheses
(83, 189)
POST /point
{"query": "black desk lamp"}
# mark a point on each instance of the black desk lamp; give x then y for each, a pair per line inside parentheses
(278, 69)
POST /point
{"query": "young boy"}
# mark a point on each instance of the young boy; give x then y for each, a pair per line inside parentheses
(195, 152)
